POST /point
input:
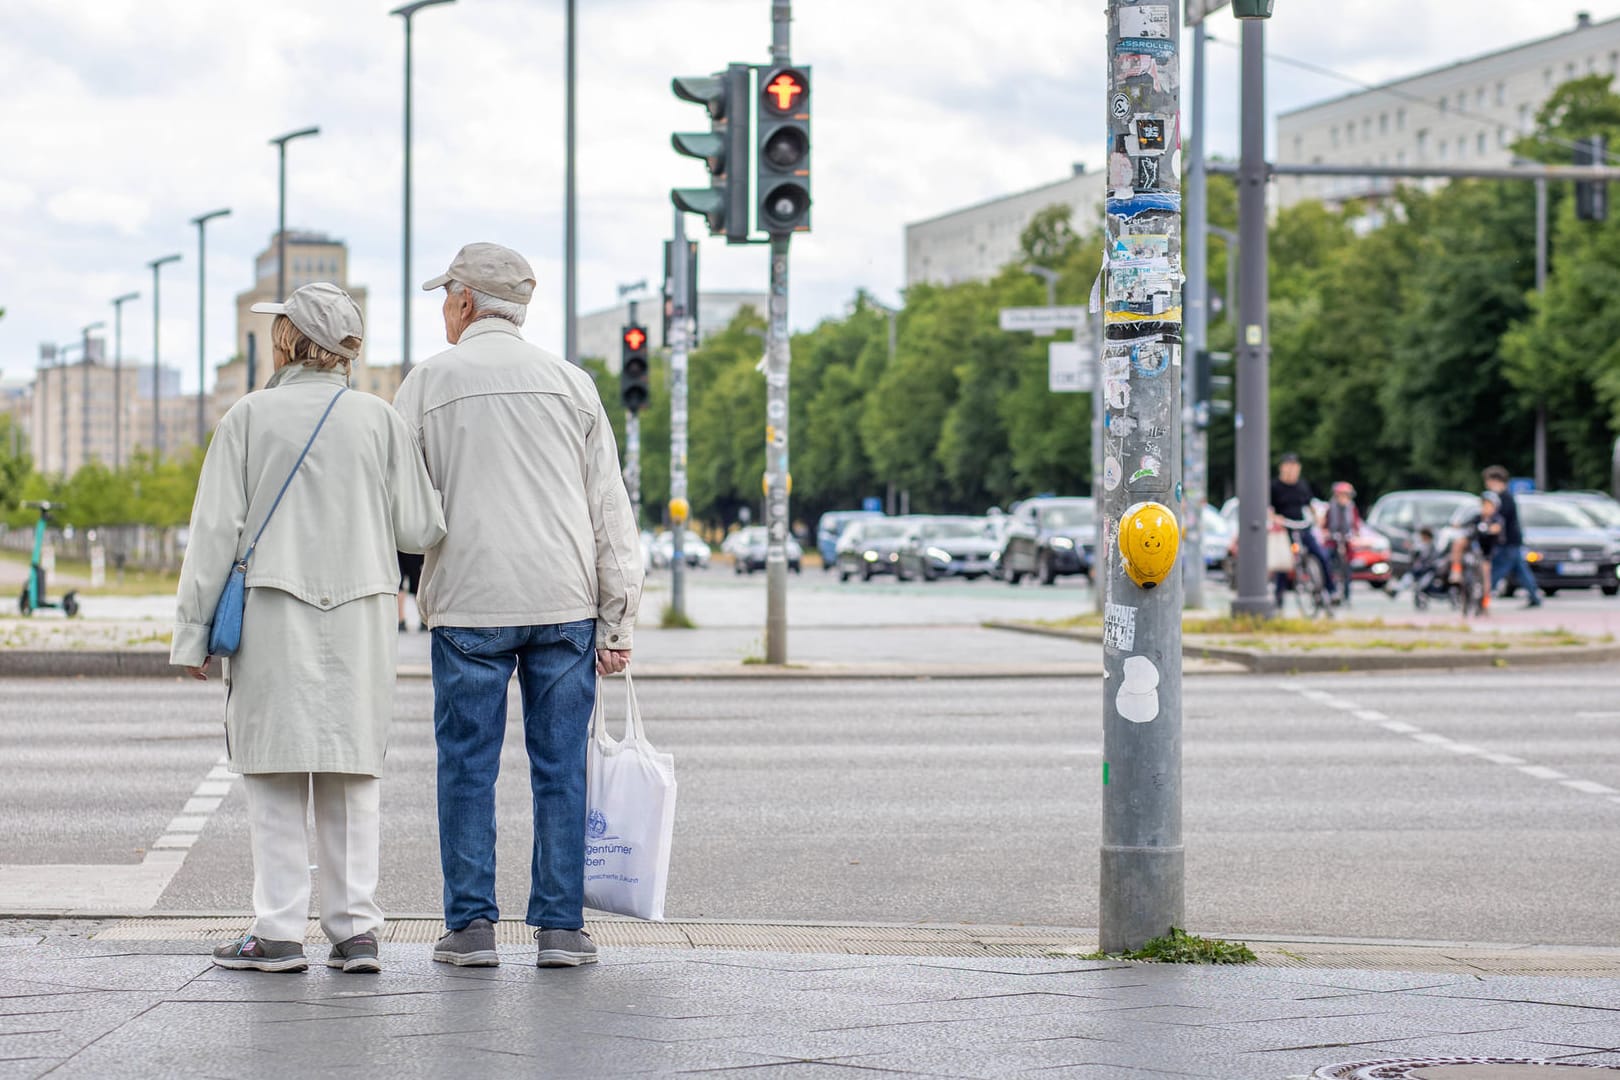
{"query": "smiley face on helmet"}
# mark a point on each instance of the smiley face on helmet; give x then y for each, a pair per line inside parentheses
(1149, 539)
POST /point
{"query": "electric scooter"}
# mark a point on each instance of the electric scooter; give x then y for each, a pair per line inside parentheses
(33, 593)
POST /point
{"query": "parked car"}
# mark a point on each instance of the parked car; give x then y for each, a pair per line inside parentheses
(1565, 548)
(946, 546)
(1216, 538)
(1604, 511)
(1049, 538)
(749, 547)
(831, 527)
(1400, 514)
(871, 546)
(694, 552)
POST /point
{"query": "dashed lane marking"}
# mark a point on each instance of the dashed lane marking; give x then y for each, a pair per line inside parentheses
(122, 886)
(1462, 749)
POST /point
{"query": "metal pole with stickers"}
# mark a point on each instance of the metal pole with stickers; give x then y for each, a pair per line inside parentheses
(1142, 856)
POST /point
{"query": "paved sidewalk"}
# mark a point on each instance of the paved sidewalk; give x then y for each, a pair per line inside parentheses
(76, 1007)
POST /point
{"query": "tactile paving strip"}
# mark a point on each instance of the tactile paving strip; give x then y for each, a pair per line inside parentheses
(1460, 1068)
(901, 940)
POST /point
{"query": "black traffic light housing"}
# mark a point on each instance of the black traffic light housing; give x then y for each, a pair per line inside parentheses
(783, 184)
(1592, 196)
(634, 384)
(724, 148)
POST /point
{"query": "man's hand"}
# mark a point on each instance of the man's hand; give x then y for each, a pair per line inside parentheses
(200, 673)
(612, 661)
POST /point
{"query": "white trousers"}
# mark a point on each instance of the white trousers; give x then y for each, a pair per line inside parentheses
(347, 837)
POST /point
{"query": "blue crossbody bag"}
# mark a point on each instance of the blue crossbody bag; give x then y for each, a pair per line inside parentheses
(225, 635)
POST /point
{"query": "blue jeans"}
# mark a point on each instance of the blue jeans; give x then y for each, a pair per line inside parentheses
(1508, 560)
(556, 670)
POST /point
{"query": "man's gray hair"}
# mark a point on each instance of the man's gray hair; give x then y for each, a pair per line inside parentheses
(485, 304)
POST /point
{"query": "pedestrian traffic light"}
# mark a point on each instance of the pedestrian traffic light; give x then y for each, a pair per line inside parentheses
(783, 184)
(634, 386)
(1592, 196)
(1212, 391)
(724, 148)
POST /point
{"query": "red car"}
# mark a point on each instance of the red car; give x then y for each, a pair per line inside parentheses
(1368, 555)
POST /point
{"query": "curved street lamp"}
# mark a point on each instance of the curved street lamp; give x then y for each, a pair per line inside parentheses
(280, 143)
(157, 266)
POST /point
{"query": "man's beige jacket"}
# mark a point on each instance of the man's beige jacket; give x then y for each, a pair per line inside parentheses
(540, 525)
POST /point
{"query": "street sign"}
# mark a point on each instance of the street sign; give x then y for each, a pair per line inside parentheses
(872, 504)
(1198, 9)
(1042, 319)
(1071, 367)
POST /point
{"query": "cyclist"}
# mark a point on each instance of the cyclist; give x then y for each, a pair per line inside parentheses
(1291, 508)
(1428, 564)
(1482, 531)
(1342, 521)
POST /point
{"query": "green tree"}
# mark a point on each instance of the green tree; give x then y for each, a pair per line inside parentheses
(1049, 239)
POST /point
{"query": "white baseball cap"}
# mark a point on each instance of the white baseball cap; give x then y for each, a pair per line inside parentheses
(490, 269)
(324, 313)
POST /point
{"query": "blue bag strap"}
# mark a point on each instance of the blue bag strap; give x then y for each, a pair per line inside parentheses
(242, 562)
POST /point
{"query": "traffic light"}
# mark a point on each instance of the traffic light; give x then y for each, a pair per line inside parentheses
(634, 386)
(1592, 196)
(1213, 392)
(783, 186)
(724, 148)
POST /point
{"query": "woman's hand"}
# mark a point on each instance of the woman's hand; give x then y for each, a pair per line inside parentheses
(200, 673)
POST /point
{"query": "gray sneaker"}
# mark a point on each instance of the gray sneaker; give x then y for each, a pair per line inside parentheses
(261, 954)
(357, 954)
(564, 948)
(471, 946)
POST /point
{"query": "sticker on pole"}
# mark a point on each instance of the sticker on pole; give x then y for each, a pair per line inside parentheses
(1119, 627)
(1138, 697)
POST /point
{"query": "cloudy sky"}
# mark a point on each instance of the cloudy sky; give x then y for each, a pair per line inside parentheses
(123, 119)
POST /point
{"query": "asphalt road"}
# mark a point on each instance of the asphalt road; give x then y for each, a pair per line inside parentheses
(1474, 806)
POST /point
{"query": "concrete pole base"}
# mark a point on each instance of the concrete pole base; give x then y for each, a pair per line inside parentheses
(1254, 605)
(1143, 895)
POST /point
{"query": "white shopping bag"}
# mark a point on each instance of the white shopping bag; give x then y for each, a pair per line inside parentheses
(630, 817)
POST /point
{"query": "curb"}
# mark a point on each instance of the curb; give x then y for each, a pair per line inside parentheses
(150, 664)
(1319, 661)
(919, 939)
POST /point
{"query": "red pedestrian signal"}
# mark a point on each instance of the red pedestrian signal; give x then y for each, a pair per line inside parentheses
(785, 92)
(635, 338)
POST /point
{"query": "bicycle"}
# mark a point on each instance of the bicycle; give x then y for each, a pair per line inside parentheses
(1467, 591)
(1309, 581)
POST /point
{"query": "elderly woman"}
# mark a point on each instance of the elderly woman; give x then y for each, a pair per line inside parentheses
(310, 688)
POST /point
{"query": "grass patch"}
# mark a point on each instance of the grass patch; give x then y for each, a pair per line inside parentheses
(1073, 622)
(1278, 625)
(1180, 947)
(135, 583)
(670, 619)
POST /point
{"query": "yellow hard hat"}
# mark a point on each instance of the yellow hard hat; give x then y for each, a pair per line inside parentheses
(678, 509)
(1149, 539)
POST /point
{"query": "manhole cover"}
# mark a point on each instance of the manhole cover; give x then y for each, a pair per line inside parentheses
(1452, 1069)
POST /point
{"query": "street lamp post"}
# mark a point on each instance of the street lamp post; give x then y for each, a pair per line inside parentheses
(570, 209)
(157, 368)
(1253, 418)
(406, 293)
(84, 391)
(280, 143)
(118, 376)
(202, 309)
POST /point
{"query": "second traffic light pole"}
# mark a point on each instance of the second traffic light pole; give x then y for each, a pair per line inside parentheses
(777, 363)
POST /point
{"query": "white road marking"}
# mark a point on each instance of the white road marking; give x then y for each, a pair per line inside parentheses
(1445, 742)
(123, 886)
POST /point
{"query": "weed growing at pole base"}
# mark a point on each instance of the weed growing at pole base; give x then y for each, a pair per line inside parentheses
(1180, 947)
(673, 619)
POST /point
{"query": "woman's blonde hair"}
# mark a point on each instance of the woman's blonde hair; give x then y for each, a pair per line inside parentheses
(292, 343)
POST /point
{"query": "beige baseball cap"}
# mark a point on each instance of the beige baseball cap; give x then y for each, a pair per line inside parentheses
(324, 313)
(492, 269)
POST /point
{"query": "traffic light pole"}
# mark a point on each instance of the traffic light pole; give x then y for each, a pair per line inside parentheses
(777, 363)
(678, 325)
(632, 449)
(1142, 858)
(1194, 441)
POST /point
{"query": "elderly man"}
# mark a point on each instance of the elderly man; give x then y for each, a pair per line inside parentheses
(540, 573)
